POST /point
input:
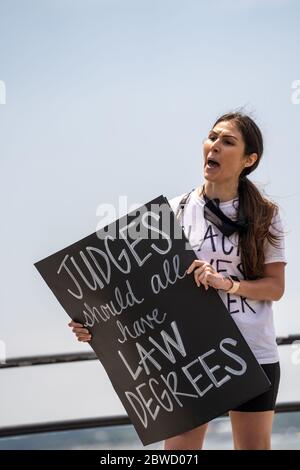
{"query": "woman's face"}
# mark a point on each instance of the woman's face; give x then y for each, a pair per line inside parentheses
(225, 146)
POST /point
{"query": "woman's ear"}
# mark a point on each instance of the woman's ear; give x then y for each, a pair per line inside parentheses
(251, 159)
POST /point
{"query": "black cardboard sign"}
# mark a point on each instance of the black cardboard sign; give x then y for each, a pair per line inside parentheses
(171, 350)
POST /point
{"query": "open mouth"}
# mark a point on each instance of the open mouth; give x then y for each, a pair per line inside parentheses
(212, 163)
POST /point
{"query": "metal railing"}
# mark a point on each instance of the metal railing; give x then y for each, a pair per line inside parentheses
(90, 356)
(87, 423)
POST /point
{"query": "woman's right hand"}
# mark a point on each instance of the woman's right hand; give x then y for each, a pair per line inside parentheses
(80, 331)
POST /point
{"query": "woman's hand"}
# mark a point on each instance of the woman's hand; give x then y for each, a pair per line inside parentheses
(82, 333)
(205, 274)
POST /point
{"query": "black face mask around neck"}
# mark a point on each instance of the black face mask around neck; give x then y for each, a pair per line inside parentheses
(214, 214)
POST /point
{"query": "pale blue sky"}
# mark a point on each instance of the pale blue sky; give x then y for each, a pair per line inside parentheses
(113, 97)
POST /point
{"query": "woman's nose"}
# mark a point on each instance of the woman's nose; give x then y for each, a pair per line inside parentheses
(215, 146)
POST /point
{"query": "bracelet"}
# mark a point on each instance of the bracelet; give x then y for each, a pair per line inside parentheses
(234, 287)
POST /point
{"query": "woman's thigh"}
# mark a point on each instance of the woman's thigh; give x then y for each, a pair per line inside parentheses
(252, 430)
(190, 440)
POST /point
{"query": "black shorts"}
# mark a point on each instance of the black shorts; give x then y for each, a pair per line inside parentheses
(266, 401)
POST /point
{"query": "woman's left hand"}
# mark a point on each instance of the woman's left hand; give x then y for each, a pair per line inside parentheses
(205, 273)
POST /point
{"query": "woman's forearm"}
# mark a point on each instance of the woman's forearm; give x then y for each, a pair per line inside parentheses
(267, 288)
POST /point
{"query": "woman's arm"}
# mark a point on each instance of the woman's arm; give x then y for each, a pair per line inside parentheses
(270, 287)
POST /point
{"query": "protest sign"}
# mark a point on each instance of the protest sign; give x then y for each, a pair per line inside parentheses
(171, 350)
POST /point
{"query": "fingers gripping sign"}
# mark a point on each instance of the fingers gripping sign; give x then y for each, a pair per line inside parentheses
(205, 273)
(201, 270)
(82, 333)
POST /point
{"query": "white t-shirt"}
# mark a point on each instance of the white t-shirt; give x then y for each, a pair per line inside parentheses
(254, 318)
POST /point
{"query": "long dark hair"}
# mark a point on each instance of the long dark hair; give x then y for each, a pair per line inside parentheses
(257, 208)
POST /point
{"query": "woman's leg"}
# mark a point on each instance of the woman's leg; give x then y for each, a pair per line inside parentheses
(190, 440)
(252, 421)
(252, 430)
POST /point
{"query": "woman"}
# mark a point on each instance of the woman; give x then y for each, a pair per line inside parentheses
(236, 233)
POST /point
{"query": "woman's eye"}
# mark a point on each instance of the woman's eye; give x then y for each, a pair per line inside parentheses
(226, 141)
